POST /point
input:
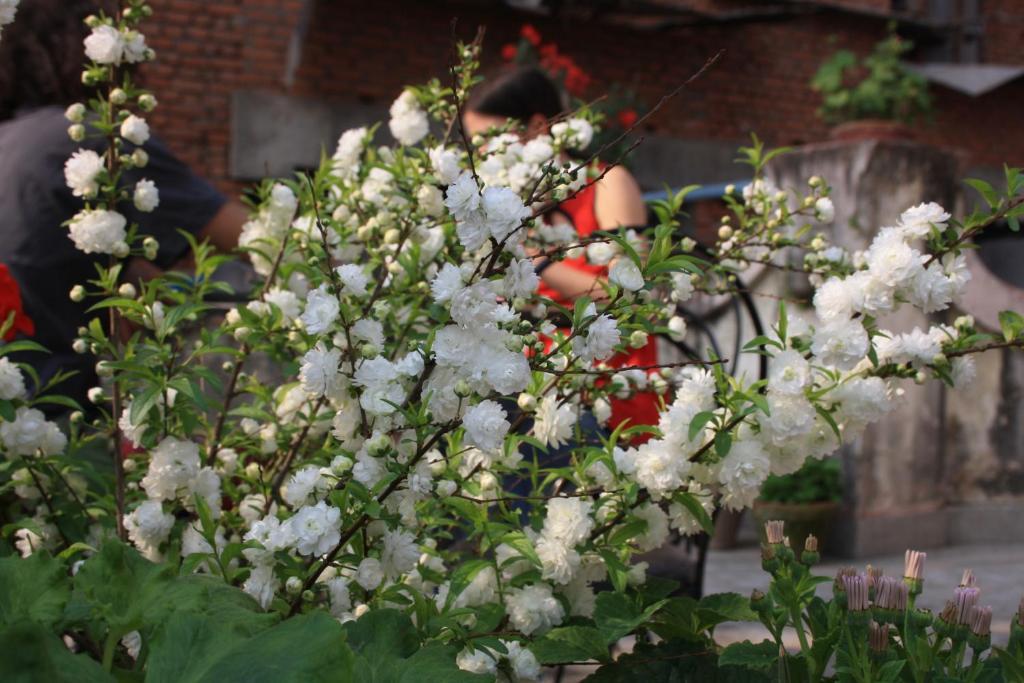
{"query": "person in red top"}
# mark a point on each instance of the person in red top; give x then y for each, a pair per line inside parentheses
(528, 96)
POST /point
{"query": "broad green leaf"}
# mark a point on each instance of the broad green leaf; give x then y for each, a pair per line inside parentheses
(33, 589)
(570, 644)
(722, 607)
(760, 656)
(29, 653)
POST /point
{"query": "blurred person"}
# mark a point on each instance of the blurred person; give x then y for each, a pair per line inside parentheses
(41, 63)
(529, 97)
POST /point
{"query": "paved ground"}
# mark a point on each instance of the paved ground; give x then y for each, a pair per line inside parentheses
(998, 569)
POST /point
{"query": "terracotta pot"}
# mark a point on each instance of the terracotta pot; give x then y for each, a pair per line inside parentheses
(871, 129)
(801, 520)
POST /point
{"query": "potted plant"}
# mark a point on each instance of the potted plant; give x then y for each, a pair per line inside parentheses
(873, 97)
(807, 500)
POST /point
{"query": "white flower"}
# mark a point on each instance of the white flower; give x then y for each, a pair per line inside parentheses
(836, 298)
(320, 373)
(525, 666)
(369, 574)
(446, 283)
(286, 301)
(791, 417)
(430, 200)
(379, 378)
(840, 343)
(146, 196)
(575, 133)
(824, 210)
(602, 338)
(931, 290)
(105, 45)
(12, 382)
(486, 426)
(82, 171)
(891, 260)
(789, 373)
(98, 231)
(8, 8)
(602, 253)
(305, 484)
(657, 527)
(677, 327)
(559, 562)
(409, 123)
(862, 399)
(317, 529)
(742, 472)
(504, 211)
(568, 520)
(660, 468)
(521, 279)
(368, 330)
(262, 584)
(134, 129)
(321, 311)
(341, 600)
(682, 287)
(173, 467)
(917, 221)
(348, 151)
(135, 49)
(553, 423)
(477, 661)
(626, 274)
(399, 554)
(463, 197)
(31, 432)
(533, 609)
(148, 525)
(445, 163)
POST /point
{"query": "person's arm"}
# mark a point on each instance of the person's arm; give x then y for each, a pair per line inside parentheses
(618, 203)
(225, 227)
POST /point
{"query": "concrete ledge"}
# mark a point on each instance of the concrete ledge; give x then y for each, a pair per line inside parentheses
(992, 522)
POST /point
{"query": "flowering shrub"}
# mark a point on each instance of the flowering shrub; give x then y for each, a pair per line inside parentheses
(414, 495)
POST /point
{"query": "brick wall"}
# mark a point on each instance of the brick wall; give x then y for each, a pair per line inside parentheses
(367, 51)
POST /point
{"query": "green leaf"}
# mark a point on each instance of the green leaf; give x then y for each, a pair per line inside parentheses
(570, 644)
(690, 502)
(723, 442)
(1011, 323)
(1013, 668)
(33, 589)
(387, 648)
(31, 654)
(719, 608)
(463, 576)
(194, 648)
(761, 656)
(8, 411)
(890, 671)
(698, 422)
(21, 345)
(987, 192)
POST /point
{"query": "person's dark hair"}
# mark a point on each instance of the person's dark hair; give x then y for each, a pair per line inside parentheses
(519, 94)
(41, 55)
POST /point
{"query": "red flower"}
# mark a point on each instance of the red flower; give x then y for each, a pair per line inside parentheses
(531, 34)
(10, 302)
(509, 52)
(549, 51)
(627, 117)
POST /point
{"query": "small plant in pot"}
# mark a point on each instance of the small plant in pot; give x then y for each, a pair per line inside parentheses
(874, 97)
(806, 500)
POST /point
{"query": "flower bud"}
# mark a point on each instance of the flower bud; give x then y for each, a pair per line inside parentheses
(147, 102)
(378, 445)
(75, 113)
(150, 246)
(77, 293)
(488, 482)
(95, 395)
(677, 327)
(392, 236)
(730, 189)
(129, 465)
(77, 416)
(293, 585)
(341, 464)
(118, 96)
(638, 339)
(76, 132)
(462, 388)
(688, 244)
(369, 350)
(140, 158)
(725, 232)
(127, 290)
(360, 610)
(80, 346)
(103, 369)
(121, 249)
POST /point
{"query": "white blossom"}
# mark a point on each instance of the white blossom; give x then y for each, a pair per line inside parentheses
(486, 425)
(98, 231)
(30, 433)
(105, 45)
(146, 196)
(134, 129)
(321, 311)
(408, 122)
(82, 172)
(12, 382)
(533, 609)
(554, 421)
(626, 274)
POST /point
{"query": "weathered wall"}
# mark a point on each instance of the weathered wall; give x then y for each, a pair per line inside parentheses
(941, 462)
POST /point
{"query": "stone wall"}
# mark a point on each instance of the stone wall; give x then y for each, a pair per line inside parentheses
(943, 466)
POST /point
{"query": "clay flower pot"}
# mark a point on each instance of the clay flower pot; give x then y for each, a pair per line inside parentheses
(871, 129)
(801, 520)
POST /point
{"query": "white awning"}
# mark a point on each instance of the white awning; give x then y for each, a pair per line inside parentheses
(971, 79)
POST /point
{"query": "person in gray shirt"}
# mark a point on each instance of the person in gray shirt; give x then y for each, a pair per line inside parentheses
(41, 57)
